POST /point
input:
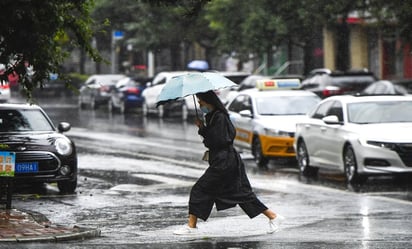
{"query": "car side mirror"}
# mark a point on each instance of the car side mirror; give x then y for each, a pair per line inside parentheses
(63, 127)
(331, 120)
(246, 113)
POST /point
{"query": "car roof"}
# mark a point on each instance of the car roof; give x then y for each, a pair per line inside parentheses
(254, 92)
(18, 106)
(106, 79)
(168, 75)
(107, 76)
(173, 73)
(367, 98)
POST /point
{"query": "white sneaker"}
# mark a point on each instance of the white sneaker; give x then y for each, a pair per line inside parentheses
(185, 230)
(274, 224)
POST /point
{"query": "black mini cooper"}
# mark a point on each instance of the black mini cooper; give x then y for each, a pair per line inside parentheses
(33, 150)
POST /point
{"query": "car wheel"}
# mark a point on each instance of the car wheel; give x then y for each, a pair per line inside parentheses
(93, 103)
(67, 187)
(160, 111)
(110, 106)
(185, 112)
(80, 103)
(260, 159)
(123, 108)
(145, 109)
(302, 157)
(351, 166)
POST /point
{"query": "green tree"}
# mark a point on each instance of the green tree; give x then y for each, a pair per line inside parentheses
(33, 33)
(256, 27)
(155, 25)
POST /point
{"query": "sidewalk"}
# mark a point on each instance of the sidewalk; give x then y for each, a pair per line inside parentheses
(26, 226)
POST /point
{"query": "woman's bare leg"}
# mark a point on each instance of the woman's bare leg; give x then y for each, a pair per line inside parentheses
(269, 213)
(192, 221)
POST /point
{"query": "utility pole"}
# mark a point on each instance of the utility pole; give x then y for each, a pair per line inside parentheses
(116, 35)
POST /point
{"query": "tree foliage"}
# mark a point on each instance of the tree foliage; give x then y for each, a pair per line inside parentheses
(41, 33)
(32, 34)
(155, 25)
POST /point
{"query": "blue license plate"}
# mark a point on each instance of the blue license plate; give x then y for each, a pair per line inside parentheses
(132, 97)
(27, 167)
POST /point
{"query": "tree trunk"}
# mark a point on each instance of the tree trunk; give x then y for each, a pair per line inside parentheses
(175, 55)
(342, 45)
(82, 62)
(308, 63)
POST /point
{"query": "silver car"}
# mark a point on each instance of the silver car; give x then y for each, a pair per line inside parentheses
(359, 136)
(96, 90)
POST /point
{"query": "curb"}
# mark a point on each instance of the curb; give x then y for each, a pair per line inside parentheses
(80, 234)
(35, 227)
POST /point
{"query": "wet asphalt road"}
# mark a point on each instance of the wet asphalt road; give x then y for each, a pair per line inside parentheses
(137, 197)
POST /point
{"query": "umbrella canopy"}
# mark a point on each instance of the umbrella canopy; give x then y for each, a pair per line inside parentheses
(192, 83)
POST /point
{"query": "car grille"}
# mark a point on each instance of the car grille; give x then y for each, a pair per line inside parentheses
(47, 161)
(405, 153)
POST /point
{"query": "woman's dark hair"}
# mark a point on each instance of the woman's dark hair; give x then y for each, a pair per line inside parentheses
(210, 97)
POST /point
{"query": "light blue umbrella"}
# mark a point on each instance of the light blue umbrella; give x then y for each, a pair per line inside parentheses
(190, 84)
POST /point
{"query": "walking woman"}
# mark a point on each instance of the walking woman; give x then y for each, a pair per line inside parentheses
(224, 183)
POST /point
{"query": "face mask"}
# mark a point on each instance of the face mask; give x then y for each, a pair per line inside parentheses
(204, 109)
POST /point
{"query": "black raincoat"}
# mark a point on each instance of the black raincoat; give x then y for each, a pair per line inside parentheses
(224, 182)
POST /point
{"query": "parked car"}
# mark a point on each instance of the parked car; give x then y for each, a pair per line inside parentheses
(251, 82)
(265, 119)
(326, 83)
(41, 152)
(56, 86)
(405, 83)
(182, 107)
(126, 95)
(236, 77)
(96, 90)
(359, 136)
(386, 87)
(5, 93)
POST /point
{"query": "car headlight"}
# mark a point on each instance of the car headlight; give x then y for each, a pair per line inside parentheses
(276, 133)
(385, 145)
(63, 146)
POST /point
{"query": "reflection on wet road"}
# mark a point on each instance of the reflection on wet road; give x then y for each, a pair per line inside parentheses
(178, 134)
(135, 178)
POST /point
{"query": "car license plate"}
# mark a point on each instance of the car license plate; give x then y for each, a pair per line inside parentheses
(131, 97)
(27, 167)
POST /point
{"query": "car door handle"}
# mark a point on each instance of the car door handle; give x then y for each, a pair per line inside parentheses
(323, 129)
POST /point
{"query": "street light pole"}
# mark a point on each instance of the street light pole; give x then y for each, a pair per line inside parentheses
(113, 56)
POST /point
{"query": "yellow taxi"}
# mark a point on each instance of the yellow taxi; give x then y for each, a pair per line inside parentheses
(265, 118)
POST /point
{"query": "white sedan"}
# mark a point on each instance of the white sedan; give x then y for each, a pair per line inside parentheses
(184, 107)
(357, 135)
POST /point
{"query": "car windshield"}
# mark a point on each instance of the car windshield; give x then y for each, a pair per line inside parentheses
(285, 105)
(23, 120)
(380, 112)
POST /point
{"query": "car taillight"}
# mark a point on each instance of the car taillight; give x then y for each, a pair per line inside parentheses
(332, 90)
(4, 86)
(133, 90)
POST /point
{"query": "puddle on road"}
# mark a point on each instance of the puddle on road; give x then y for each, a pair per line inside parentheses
(116, 177)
